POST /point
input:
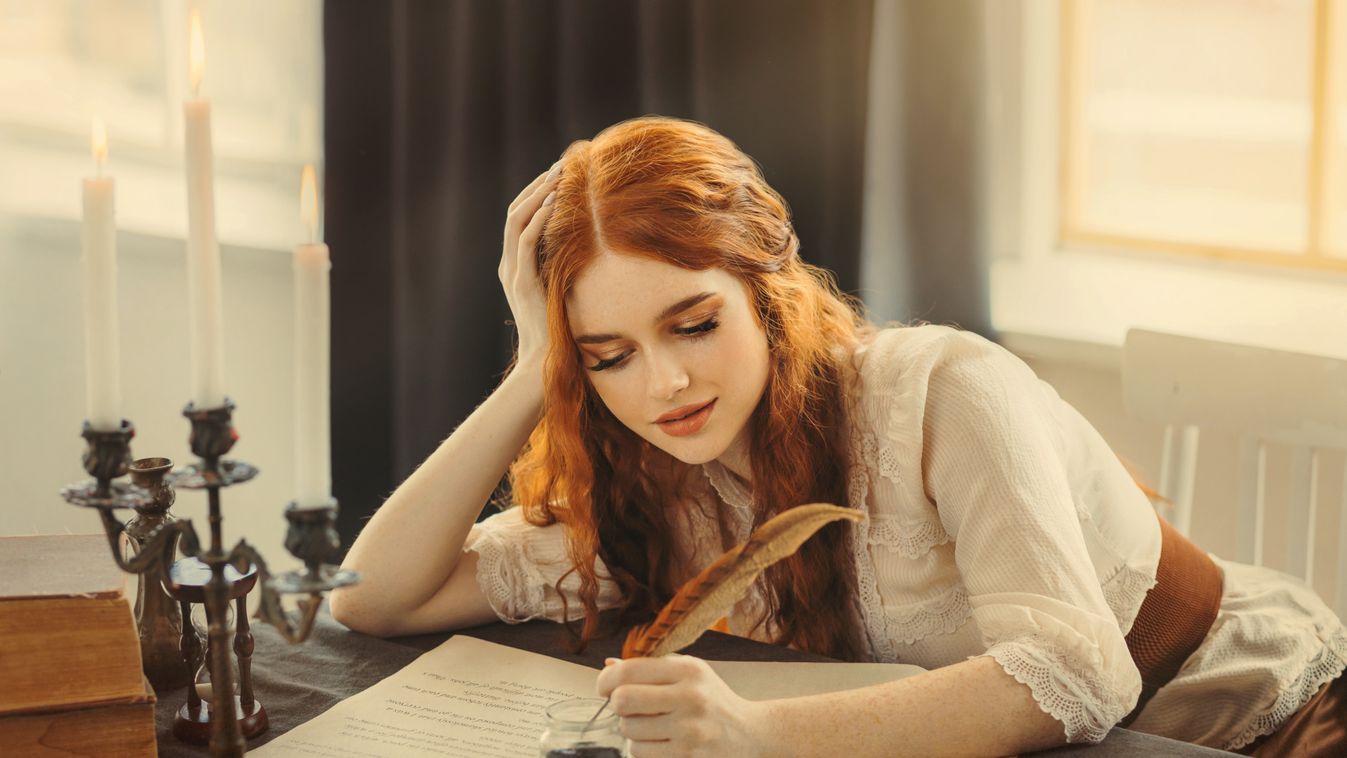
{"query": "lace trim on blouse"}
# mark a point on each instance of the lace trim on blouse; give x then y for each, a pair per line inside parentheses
(503, 577)
(1124, 591)
(908, 538)
(941, 614)
(875, 621)
(885, 457)
(1327, 665)
(1066, 687)
(734, 494)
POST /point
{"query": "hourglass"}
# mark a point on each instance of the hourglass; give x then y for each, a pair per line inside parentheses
(188, 581)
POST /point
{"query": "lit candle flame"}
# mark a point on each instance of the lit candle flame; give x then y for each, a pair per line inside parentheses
(308, 201)
(197, 51)
(99, 143)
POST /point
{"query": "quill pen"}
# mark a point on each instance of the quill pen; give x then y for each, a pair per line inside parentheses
(705, 598)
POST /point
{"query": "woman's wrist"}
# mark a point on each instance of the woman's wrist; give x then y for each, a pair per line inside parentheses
(761, 720)
(527, 377)
(529, 364)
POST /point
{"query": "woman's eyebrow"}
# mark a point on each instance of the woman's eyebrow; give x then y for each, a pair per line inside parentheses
(673, 310)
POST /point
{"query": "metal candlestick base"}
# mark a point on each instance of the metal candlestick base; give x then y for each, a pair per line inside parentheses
(312, 539)
(212, 436)
(157, 615)
(213, 577)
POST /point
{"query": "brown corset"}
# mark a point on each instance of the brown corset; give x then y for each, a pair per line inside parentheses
(1176, 614)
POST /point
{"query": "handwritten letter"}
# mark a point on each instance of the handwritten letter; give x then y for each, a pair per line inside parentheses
(469, 698)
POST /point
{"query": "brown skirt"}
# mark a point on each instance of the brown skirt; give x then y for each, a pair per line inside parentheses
(1319, 728)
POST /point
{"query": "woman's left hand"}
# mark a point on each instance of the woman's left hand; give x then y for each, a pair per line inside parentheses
(676, 705)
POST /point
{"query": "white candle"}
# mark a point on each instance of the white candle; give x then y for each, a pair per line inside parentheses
(103, 388)
(203, 251)
(313, 462)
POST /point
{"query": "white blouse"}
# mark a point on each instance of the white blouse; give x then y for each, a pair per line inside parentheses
(999, 523)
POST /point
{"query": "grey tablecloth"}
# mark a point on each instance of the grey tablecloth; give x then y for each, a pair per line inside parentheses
(297, 682)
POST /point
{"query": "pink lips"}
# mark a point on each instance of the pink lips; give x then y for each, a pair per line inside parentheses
(678, 413)
(688, 424)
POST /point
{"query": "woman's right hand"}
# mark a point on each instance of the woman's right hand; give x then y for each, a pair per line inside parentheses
(519, 265)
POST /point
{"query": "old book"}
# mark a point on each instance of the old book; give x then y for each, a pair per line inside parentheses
(67, 633)
(122, 729)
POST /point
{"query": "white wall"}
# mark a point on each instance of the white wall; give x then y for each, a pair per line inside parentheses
(42, 378)
(1090, 380)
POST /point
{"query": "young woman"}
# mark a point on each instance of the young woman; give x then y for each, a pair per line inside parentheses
(682, 376)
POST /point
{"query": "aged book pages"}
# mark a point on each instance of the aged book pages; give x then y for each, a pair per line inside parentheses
(67, 630)
(125, 730)
(470, 698)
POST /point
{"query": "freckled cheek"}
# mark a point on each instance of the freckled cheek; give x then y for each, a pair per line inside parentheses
(747, 365)
(622, 396)
(732, 349)
(713, 361)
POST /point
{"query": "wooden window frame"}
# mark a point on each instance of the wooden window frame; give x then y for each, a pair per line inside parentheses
(1322, 151)
(1076, 298)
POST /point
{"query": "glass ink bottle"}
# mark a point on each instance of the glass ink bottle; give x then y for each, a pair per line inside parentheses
(566, 735)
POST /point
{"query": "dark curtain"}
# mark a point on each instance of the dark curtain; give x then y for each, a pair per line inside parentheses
(945, 276)
(924, 239)
(438, 112)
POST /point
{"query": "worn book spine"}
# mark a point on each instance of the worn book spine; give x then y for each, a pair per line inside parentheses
(110, 730)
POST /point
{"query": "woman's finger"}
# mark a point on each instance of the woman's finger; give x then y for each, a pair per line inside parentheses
(663, 670)
(529, 205)
(531, 186)
(646, 728)
(518, 221)
(645, 699)
(665, 749)
(526, 257)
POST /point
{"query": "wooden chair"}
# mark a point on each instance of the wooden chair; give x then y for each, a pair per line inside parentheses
(1262, 395)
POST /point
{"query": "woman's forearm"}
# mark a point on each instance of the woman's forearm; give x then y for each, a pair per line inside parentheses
(408, 549)
(968, 708)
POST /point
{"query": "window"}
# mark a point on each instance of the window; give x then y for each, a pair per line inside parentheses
(1204, 127)
(1174, 166)
(62, 62)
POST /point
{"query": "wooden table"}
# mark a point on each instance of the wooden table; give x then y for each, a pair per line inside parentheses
(298, 682)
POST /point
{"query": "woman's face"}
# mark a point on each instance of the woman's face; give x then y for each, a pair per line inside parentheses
(658, 341)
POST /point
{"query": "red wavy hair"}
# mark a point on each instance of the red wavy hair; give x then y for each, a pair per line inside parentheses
(678, 192)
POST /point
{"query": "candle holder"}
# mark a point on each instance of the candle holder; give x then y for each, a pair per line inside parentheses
(212, 436)
(157, 615)
(107, 456)
(212, 577)
(312, 537)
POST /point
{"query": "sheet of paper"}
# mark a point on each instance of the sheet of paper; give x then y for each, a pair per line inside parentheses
(469, 698)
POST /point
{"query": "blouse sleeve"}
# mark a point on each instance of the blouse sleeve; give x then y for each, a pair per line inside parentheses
(520, 567)
(995, 466)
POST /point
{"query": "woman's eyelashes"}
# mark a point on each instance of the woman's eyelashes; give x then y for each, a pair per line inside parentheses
(607, 364)
(706, 326)
(695, 332)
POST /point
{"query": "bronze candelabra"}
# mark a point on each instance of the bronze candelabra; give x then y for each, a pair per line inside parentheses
(311, 537)
(157, 617)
